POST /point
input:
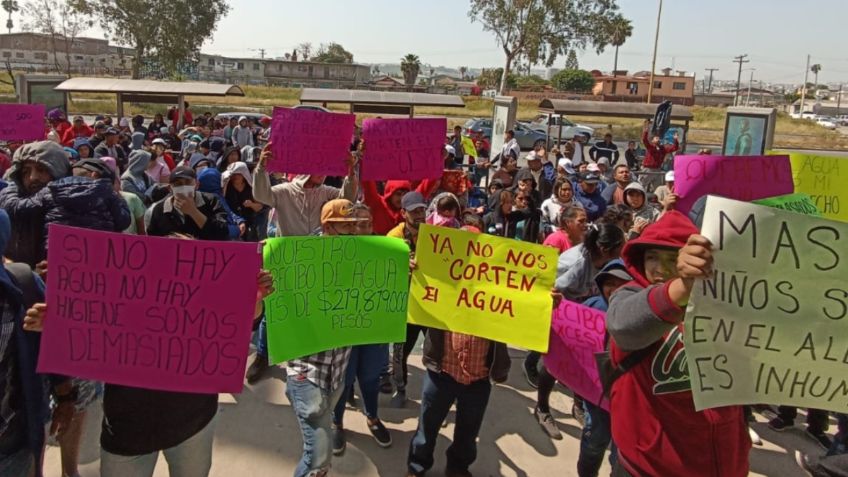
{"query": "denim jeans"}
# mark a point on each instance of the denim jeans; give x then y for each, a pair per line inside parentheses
(313, 408)
(438, 394)
(594, 441)
(261, 338)
(19, 464)
(365, 365)
(191, 458)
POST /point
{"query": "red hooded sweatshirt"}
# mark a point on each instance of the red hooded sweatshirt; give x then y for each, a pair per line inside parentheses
(655, 155)
(385, 217)
(654, 422)
(74, 132)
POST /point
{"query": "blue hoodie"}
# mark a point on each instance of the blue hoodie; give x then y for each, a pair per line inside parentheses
(209, 181)
(598, 301)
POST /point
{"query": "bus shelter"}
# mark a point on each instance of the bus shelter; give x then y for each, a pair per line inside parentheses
(379, 102)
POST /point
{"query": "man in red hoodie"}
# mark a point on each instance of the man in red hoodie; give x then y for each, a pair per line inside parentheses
(654, 422)
(655, 153)
(386, 209)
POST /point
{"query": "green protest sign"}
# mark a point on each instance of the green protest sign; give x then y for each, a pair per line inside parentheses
(797, 202)
(334, 291)
(768, 327)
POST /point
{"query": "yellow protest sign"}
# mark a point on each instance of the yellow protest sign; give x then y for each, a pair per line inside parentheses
(468, 146)
(823, 178)
(483, 285)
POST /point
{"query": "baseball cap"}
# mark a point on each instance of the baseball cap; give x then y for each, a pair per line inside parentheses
(614, 268)
(592, 167)
(182, 173)
(603, 160)
(94, 165)
(669, 176)
(159, 141)
(566, 164)
(100, 125)
(413, 200)
(338, 210)
(450, 150)
(590, 177)
(111, 131)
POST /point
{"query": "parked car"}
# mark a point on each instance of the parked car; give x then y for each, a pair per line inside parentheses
(570, 129)
(826, 122)
(527, 138)
(254, 116)
(312, 107)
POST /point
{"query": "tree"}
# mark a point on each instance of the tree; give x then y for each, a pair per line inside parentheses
(619, 30)
(815, 69)
(410, 66)
(169, 32)
(62, 23)
(304, 51)
(10, 7)
(462, 71)
(539, 31)
(333, 53)
(574, 81)
(490, 78)
(571, 61)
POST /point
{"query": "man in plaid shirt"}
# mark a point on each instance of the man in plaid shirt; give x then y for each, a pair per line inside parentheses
(315, 383)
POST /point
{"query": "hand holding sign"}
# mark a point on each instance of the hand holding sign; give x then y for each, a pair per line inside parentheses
(403, 148)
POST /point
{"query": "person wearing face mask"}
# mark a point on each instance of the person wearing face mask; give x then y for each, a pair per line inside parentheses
(186, 211)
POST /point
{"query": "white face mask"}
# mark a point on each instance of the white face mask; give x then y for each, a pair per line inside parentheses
(187, 190)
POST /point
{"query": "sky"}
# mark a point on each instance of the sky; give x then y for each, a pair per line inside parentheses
(694, 34)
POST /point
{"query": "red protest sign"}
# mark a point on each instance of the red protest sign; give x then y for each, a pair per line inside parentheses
(150, 312)
(21, 122)
(310, 142)
(403, 148)
(577, 333)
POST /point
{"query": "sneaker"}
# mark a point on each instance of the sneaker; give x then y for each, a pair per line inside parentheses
(755, 438)
(386, 386)
(548, 424)
(380, 433)
(398, 400)
(257, 369)
(805, 462)
(820, 438)
(532, 375)
(578, 414)
(339, 441)
(778, 424)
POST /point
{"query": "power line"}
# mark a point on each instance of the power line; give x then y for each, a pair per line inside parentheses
(739, 59)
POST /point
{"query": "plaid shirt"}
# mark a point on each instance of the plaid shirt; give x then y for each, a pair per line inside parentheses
(465, 357)
(325, 369)
(10, 386)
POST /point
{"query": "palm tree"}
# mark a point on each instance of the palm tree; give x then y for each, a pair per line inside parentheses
(410, 65)
(815, 69)
(462, 71)
(10, 6)
(620, 30)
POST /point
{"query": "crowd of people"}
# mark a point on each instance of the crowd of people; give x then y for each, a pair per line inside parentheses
(623, 247)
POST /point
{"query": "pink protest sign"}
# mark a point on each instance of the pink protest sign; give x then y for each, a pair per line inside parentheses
(577, 333)
(403, 148)
(21, 122)
(310, 142)
(149, 312)
(744, 178)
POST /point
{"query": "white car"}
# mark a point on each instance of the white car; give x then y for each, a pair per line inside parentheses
(569, 129)
(826, 122)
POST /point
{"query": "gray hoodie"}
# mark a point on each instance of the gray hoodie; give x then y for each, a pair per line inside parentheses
(647, 211)
(135, 179)
(575, 277)
(298, 209)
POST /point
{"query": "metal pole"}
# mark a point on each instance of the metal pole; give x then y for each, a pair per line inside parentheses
(839, 101)
(739, 59)
(804, 88)
(654, 60)
(748, 98)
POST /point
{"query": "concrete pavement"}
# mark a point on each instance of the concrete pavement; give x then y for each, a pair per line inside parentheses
(257, 435)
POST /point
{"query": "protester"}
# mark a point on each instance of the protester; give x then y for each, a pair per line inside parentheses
(230, 156)
(460, 369)
(238, 193)
(604, 149)
(99, 135)
(588, 195)
(535, 169)
(242, 134)
(83, 147)
(154, 129)
(655, 154)
(563, 196)
(386, 209)
(509, 148)
(34, 165)
(817, 423)
(186, 211)
(136, 206)
(572, 225)
(110, 148)
(573, 149)
(654, 422)
(662, 192)
(596, 435)
(614, 194)
(414, 213)
(509, 168)
(229, 128)
(78, 130)
(136, 180)
(59, 125)
(209, 182)
(637, 200)
(630, 156)
(456, 144)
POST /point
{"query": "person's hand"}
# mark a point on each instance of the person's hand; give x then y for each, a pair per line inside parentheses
(669, 201)
(185, 204)
(639, 225)
(62, 416)
(34, 318)
(248, 203)
(557, 297)
(265, 285)
(266, 155)
(695, 259)
(41, 269)
(242, 229)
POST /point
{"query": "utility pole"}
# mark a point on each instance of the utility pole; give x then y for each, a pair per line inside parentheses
(739, 59)
(710, 82)
(750, 82)
(804, 88)
(839, 101)
(654, 60)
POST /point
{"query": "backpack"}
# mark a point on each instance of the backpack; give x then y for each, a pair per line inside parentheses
(609, 373)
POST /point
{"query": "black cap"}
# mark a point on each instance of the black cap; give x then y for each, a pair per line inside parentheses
(413, 200)
(94, 165)
(183, 173)
(111, 131)
(590, 177)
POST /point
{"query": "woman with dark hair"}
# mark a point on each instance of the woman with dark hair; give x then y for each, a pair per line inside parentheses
(572, 226)
(154, 129)
(562, 197)
(230, 156)
(507, 172)
(513, 215)
(238, 193)
(576, 270)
